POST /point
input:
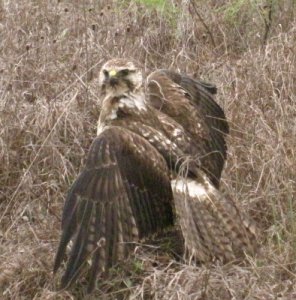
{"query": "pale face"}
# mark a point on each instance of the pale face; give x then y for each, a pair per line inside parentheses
(119, 77)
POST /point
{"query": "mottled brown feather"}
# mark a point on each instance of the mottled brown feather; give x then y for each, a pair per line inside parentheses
(212, 225)
(190, 103)
(121, 196)
(124, 192)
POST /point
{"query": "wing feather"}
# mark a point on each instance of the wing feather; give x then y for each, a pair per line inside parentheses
(190, 103)
(122, 195)
(199, 93)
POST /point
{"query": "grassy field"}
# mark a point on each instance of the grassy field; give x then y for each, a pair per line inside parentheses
(50, 54)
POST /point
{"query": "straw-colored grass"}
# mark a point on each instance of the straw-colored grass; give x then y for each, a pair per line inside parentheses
(51, 52)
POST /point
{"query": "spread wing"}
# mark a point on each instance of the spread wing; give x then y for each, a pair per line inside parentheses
(198, 92)
(191, 104)
(122, 195)
(212, 225)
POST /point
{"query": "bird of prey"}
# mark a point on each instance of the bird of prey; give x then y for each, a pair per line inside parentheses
(156, 161)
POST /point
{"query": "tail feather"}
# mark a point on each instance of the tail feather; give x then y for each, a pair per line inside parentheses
(212, 225)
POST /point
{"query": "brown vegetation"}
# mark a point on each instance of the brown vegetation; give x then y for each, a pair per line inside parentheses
(50, 55)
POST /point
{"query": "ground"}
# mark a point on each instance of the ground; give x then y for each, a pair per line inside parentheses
(51, 52)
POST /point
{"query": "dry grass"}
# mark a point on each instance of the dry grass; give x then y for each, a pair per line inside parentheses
(50, 55)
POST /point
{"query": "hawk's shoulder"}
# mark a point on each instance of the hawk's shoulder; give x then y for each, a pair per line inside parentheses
(183, 88)
(191, 104)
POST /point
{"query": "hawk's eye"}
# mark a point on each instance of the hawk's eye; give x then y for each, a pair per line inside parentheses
(106, 73)
(124, 72)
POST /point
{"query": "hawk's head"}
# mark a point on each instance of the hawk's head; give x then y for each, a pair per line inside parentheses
(120, 76)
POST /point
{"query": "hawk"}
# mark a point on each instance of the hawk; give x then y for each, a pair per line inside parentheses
(156, 161)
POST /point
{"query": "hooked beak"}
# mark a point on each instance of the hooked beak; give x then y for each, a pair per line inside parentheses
(112, 79)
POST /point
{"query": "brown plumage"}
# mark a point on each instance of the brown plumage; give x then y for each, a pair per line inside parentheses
(190, 103)
(212, 225)
(154, 154)
(122, 195)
